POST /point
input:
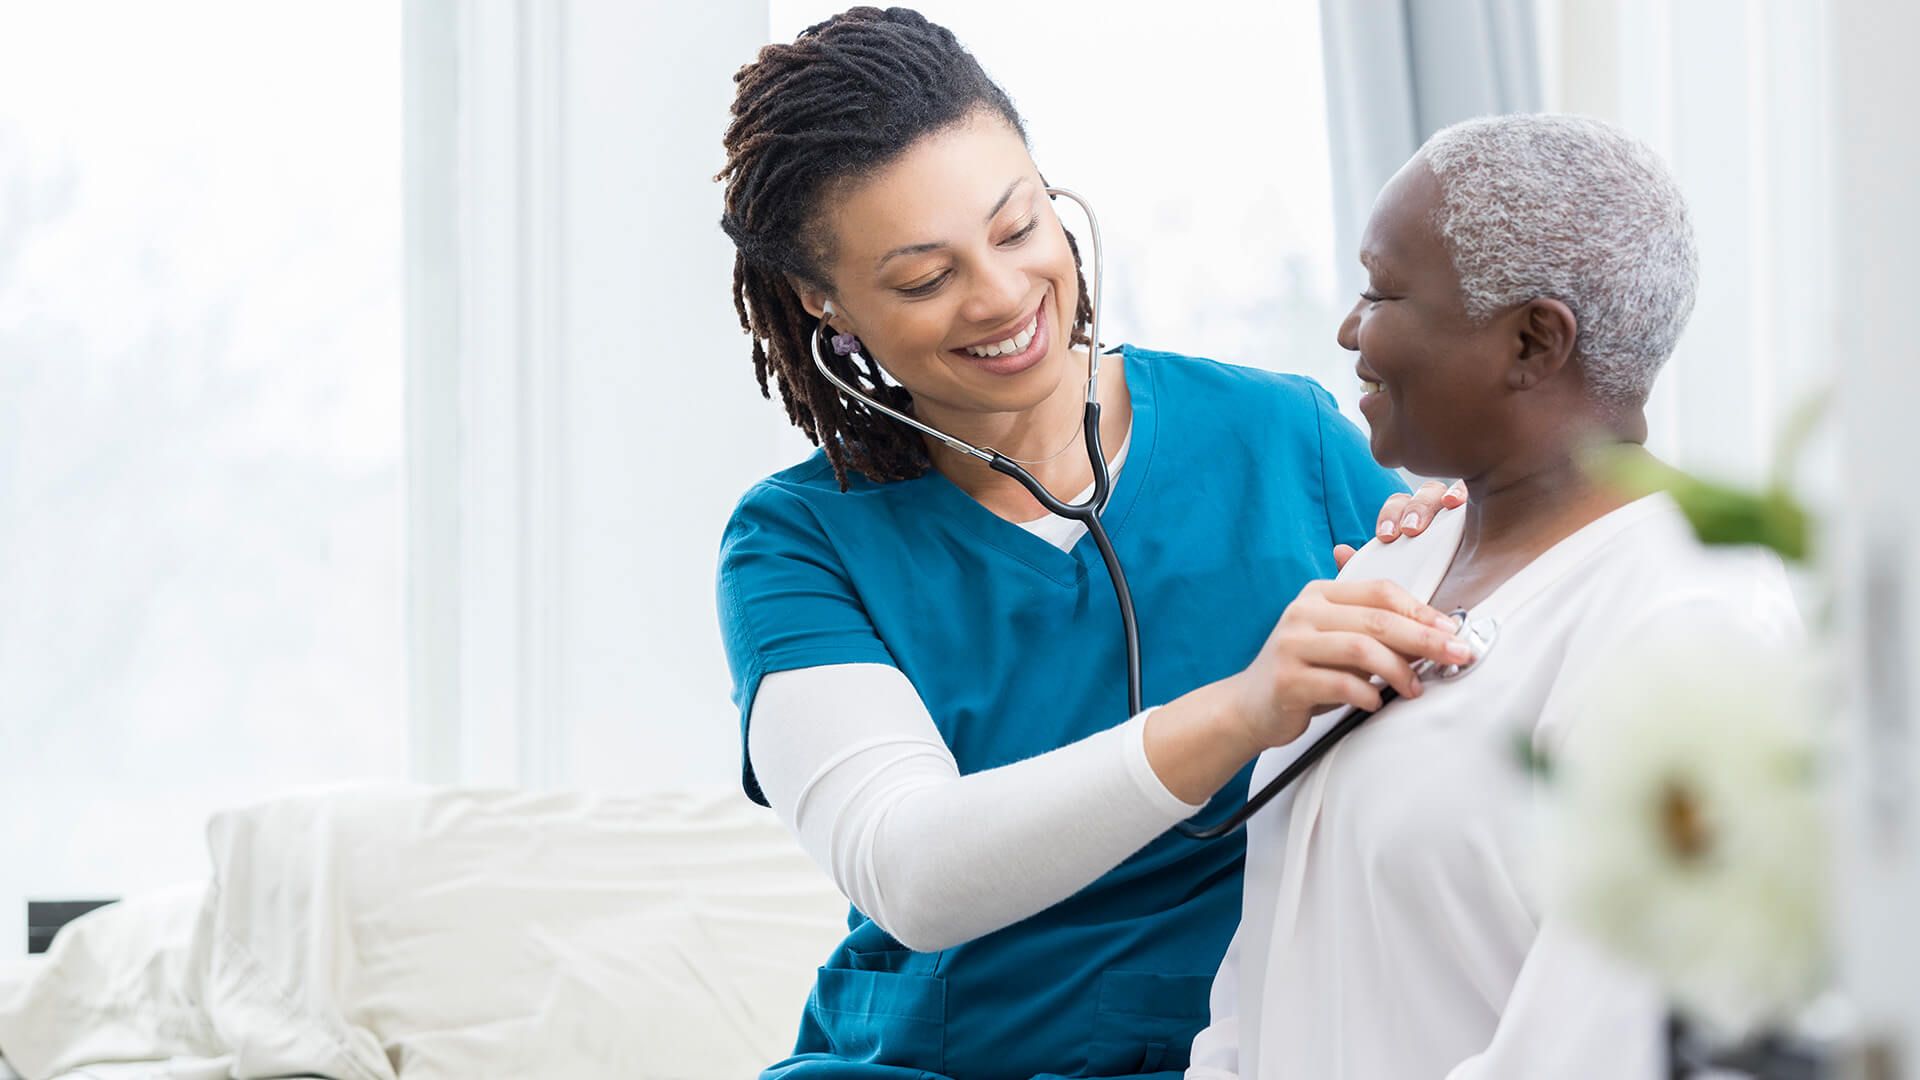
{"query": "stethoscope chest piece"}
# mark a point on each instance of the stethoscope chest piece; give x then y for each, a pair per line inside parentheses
(1479, 634)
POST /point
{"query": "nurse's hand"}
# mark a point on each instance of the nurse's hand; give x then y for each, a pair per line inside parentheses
(1409, 515)
(1329, 642)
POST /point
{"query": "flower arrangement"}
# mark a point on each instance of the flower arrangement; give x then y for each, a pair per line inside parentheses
(1688, 820)
(1688, 829)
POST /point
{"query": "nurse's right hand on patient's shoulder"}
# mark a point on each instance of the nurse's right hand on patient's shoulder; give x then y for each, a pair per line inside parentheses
(1409, 514)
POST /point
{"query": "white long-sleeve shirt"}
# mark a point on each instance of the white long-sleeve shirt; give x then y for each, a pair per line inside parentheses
(852, 762)
(1389, 929)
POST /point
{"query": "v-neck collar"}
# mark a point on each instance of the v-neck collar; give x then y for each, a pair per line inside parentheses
(1506, 599)
(1066, 567)
(1546, 568)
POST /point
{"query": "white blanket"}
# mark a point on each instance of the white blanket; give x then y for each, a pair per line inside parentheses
(428, 933)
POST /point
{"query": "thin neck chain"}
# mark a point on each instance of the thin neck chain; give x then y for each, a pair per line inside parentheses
(1042, 461)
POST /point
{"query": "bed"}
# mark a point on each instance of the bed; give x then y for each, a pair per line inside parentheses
(422, 933)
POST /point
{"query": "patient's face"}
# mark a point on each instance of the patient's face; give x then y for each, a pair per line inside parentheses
(1439, 402)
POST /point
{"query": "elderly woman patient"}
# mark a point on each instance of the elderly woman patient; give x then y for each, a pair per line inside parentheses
(1528, 276)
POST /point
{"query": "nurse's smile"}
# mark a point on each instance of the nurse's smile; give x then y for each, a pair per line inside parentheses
(1010, 351)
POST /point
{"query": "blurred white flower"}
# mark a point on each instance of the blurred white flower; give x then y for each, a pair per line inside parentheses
(1688, 834)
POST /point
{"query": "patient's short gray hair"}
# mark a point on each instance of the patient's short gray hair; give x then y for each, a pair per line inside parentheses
(1575, 210)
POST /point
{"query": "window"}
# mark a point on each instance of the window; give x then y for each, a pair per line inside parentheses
(201, 531)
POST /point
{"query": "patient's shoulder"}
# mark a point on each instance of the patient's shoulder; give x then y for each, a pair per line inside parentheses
(1409, 560)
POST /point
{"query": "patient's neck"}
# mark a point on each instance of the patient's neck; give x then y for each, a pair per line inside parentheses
(1514, 514)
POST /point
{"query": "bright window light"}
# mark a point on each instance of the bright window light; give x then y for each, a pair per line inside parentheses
(201, 518)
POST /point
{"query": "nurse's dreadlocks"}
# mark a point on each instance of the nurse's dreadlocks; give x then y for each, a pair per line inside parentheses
(848, 97)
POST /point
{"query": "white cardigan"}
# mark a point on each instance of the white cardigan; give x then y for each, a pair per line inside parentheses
(1389, 930)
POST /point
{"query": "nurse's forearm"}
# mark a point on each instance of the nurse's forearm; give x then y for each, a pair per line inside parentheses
(955, 860)
(849, 758)
(1197, 742)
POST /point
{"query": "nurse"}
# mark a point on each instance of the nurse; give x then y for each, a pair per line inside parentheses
(929, 670)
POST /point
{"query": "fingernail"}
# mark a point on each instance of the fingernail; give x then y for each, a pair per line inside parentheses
(1386, 528)
(1415, 689)
(1411, 521)
(1459, 650)
(1444, 622)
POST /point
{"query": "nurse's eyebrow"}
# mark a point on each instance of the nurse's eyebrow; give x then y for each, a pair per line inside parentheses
(1004, 196)
(921, 249)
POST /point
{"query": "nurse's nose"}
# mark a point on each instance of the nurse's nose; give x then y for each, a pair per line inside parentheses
(998, 295)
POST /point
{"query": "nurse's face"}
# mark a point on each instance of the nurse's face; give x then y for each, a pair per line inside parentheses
(1438, 385)
(953, 271)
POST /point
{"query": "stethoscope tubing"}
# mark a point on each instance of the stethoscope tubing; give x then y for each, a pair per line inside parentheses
(1088, 513)
(1479, 634)
(1288, 775)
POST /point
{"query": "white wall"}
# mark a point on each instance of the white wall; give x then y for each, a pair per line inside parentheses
(664, 427)
(585, 413)
(1876, 153)
(1734, 95)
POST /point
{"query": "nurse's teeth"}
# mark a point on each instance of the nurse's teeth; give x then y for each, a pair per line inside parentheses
(1011, 345)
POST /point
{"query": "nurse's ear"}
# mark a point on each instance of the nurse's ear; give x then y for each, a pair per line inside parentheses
(815, 300)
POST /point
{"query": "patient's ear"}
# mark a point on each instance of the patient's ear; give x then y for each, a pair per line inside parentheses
(1547, 331)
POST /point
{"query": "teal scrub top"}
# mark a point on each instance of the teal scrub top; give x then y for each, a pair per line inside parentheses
(1236, 488)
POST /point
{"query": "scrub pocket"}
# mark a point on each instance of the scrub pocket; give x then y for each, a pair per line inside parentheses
(884, 1017)
(1146, 1021)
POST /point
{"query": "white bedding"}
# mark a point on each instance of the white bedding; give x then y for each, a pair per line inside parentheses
(448, 933)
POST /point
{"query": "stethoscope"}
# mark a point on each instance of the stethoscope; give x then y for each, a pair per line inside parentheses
(1479, 635)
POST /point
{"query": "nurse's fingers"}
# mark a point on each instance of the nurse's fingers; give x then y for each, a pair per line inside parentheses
(1341, 553)
(1324, 686)
(1387, 614)
(1409, 639)
(1359, 655)
(1419, 511)
(1385, 595)
(1388, 527)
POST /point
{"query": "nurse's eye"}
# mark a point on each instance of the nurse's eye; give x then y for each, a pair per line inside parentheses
(927, 287)
(1025, 231)
(1371, 297)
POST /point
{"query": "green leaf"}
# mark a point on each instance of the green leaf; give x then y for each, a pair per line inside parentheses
(1719, 513)
(1532, 759)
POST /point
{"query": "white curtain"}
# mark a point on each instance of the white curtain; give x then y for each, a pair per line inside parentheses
(1400, 70)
